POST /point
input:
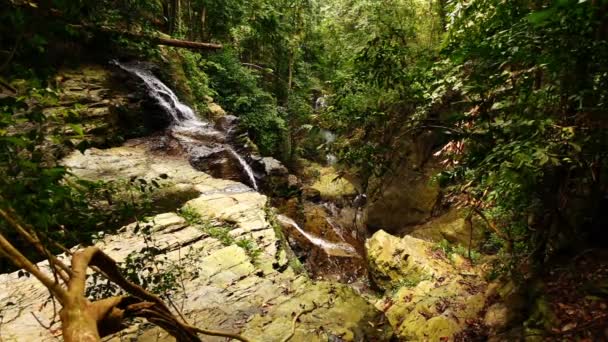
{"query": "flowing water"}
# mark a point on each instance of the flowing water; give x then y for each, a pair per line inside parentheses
(331, 248)
(181, 113)
(245, 167)
(197, 137)
(329, 138)
(328, 247)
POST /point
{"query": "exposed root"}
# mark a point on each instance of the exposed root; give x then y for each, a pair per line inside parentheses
(295, 320)
(83, 320)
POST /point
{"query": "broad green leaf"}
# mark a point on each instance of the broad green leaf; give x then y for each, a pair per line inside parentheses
(77, 129)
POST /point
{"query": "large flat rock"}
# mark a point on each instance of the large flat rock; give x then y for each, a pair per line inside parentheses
(221, 286)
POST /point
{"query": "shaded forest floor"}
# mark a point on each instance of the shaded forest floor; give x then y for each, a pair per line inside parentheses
(577, 294)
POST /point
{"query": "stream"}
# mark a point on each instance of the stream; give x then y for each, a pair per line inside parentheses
(324, 241)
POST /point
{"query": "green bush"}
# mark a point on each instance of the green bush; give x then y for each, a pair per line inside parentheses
(239, 94)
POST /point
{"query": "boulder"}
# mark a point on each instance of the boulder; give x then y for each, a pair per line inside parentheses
(427, 297)
(276, 178)
(450, 226)
(330, 184)
(311, 194)
(408, 193)
(226, 123)
(407, 198)
(215, 110)
(273, 167)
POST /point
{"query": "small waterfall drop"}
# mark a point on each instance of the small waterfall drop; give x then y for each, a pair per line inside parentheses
(180, 112)
(245, 167)
(331, 248)
(329, 138)
(185, 122)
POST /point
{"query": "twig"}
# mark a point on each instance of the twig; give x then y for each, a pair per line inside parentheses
(21, 261)
(9, 215)
(42, 324)
(221, 334)
(294, 322)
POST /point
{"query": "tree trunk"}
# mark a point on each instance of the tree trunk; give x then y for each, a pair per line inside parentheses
(290, 76)
(186, 44)
(442, 14)
(203, 20)
(178, 16)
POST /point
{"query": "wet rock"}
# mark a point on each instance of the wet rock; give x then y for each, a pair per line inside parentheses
(273, 167)
(276, 178)
(325, 247)
(218, 162)
(199, 135)
(226, 123)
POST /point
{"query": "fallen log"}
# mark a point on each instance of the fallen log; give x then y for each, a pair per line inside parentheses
(157, 39)
(160, 40)
(184, 43)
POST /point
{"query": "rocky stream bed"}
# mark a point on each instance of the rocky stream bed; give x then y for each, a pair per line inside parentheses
(354, 286)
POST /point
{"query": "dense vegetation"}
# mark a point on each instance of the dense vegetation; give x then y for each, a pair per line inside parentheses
(512, 90)
(513, 93)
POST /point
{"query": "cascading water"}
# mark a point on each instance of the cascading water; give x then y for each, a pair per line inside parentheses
(187, 127)
(329, 252)
(331, 248)
(245, 167)
(180, 112)
(329, 138)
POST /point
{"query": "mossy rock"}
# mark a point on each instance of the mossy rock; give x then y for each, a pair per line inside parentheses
(408, 197)
(394, 261)
(451, 226)
(427, 297)
(336, 313)
(329, 184)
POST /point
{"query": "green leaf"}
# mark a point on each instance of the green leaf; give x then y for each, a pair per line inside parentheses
(576, 147)
(77, 129)
(539, 17)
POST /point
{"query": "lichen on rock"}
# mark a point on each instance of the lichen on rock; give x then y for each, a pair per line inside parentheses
(427, 298)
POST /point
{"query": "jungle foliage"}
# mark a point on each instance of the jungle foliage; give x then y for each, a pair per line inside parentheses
(513, 91)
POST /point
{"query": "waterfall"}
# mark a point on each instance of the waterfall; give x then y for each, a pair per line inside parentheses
(180, 112)
(246, 168)
(331, 248)
(184, 118)
(329, 138)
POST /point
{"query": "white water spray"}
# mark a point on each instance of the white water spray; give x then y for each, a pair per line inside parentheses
(245, 167)
(331, 248)
(184, 118)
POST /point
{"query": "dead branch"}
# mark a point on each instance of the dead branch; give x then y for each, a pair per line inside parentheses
(491, 224)
(7, 249)
(294, 322)
(64, 271)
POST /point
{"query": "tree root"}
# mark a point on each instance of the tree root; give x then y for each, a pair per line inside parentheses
(294, 322)
(83, 320)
